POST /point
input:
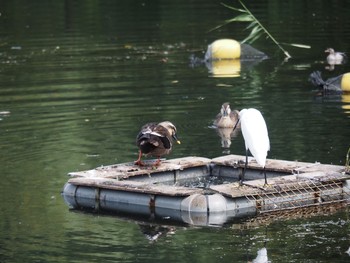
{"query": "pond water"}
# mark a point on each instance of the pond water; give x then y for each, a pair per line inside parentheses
(79, 78)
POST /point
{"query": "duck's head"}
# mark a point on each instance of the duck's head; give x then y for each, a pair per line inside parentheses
(329, 50)
(171, 129)
(225, 109)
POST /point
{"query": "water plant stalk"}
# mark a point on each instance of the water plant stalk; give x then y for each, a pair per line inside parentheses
(257, 28)
(265, 30)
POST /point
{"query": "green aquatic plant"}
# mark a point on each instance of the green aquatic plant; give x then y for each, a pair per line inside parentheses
(257, 29)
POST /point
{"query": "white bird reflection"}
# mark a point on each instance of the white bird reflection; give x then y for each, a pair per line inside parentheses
(262, 256)
(348, 251)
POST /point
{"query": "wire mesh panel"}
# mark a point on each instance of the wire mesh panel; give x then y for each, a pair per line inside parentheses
(301, 193)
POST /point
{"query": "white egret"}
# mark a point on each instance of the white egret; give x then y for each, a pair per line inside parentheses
(255, 136)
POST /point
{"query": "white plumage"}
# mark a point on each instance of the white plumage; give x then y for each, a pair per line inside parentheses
(335, 58)
(255, 134)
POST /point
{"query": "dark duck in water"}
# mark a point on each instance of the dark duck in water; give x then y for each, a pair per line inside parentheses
(155, 139)
(337, 84)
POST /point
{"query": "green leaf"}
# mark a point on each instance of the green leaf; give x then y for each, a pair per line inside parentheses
(297, 45)
(255, 34)
(234, 8)
(256, 29)
(219, 26)
(252, 39)
(254, 23)
(241, 18)
(287, 54)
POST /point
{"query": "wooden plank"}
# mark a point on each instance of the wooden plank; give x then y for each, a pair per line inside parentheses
(125, 170)
(234, 190)
(293, 167)
(134, 186)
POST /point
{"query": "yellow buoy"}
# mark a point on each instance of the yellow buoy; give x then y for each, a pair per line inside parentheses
(225, 68)
(345, 98)
(223, 49)
(345, 82)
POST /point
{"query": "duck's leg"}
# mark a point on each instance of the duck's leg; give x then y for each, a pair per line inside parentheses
(138, 161)
(157, 163)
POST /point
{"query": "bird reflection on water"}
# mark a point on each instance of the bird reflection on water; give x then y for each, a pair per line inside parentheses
(224, 124)
(262, 256)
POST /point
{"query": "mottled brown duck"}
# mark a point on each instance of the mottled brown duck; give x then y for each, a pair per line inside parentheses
(156, 139)
(226, 118)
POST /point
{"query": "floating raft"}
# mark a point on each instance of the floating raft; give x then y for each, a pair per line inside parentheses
(203, 191)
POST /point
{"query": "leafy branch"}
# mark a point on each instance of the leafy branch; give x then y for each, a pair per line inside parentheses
(257, 29)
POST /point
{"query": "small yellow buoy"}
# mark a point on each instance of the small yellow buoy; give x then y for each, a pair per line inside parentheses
(223, 49)
(345, 82)
(225, 68)
(345, 98)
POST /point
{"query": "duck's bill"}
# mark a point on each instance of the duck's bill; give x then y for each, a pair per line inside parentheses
(176, 139)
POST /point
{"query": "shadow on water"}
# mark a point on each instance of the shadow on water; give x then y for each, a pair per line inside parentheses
(271, 233)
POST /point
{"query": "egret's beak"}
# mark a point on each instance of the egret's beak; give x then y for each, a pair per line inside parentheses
(236, 124)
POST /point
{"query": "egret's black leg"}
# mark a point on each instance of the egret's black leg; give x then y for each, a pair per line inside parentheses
(245, 168)
(265, 176)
